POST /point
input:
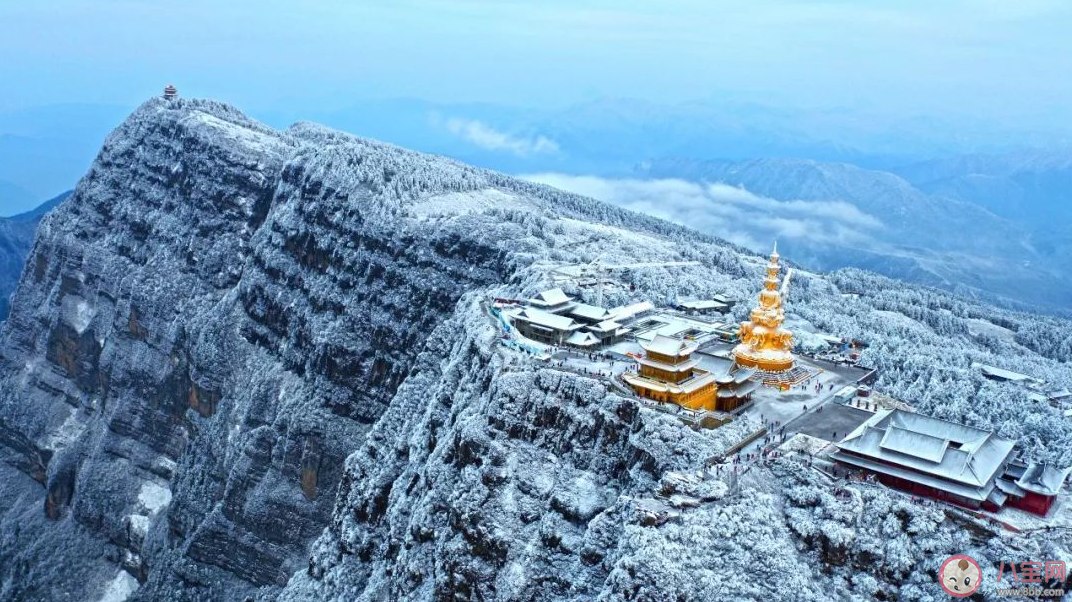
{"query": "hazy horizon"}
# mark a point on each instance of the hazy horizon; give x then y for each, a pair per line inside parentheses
(986, 59)
(844, 81)
(589, 96)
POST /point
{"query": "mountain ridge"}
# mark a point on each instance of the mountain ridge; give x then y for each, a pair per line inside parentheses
(245, 363)
(929, 238)
(16, 238)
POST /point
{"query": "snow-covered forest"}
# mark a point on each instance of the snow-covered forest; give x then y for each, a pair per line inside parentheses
(282, 336)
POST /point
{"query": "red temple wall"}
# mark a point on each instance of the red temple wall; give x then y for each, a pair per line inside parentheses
(1033, 503)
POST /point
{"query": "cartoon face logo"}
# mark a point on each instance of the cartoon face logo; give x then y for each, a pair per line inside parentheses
(960, 575)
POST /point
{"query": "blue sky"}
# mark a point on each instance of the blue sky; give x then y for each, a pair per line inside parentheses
(557, 86)
(1000, 59)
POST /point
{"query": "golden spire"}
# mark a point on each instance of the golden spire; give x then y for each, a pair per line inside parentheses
(765, 344)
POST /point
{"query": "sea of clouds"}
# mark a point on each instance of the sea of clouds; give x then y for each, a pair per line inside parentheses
(729, 212)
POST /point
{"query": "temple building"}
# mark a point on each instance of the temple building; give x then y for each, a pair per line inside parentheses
(546, 327)
(668, 373)
(554, 318)
(765, 345)
(952, 462)
(1032, 487)
(734, 389)
(717, 304)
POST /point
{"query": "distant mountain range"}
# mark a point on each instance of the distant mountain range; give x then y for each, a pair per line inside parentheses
(44, 145)
(1034, 188)
(14, 196)
(16, 238)
(995, 226)
(45, 150)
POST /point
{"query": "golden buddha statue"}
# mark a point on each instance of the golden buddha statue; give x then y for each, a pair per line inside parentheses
(764, 343)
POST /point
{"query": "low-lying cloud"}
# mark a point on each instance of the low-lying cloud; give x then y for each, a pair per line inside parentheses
(728, 212)
(486, 137)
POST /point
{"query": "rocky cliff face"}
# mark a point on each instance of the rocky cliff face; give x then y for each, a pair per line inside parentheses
(252, 364)
(211, 326)
(16, 238)
(490, 479)
(204, 333)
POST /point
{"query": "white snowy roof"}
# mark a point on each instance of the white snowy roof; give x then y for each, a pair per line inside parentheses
(665, 345)
(606, 326)
(915, 444)
(550, 298)
(703, 304)
(742, 374)
(1010, 488)
(737, 390)
(589, 312)
(582, 339)
(847, 390)
(1043, 479)
(944, 450)
(628, 311)
(1003, 374)
(747, 388)
(700, 379)
(546, 318)
(979, 493)
(682, 367)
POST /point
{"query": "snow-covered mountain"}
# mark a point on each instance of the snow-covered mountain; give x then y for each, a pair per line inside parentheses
(13, 195)
(929, 236)
(245, 363)
(1031, 187)
(16, 238)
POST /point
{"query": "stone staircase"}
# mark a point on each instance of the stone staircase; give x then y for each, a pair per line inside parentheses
(783, 379)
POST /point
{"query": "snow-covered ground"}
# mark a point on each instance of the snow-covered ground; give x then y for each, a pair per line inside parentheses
(154, 497)
(77, 312)
(1059, 516)
(457, 203)
(978, 327)
(119, 588)
(590, 363)
(72, 427)
(252, 140)
(806, 444)
(783, 406)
